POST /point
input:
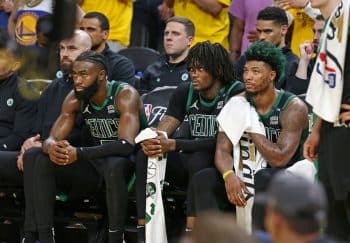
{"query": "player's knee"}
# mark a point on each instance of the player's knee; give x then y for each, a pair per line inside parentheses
(30, 156)
(115, 167)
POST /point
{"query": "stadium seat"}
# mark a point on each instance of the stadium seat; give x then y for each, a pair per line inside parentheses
(140, 56)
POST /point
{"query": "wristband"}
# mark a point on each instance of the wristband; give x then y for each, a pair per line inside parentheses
(226, 174)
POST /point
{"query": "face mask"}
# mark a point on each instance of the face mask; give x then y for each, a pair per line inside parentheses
(88, 92)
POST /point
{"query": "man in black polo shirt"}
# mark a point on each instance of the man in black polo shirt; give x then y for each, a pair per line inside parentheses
(170, 69)
(120, 68)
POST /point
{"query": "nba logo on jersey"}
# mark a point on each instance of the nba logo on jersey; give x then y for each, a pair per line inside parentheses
(110, 109)
(274, 120)
(220, 105)
(148, 110)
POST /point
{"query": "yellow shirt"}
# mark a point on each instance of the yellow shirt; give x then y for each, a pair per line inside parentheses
(302, 31)
(208, 27)
(118, 14)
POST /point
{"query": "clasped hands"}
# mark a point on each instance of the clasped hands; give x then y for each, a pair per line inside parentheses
(157, 146)
(62, 153)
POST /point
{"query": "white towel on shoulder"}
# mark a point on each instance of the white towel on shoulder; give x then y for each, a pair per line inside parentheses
(239, 116)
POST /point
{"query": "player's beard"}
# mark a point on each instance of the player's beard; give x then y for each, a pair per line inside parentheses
(88, 92)
(66, 68)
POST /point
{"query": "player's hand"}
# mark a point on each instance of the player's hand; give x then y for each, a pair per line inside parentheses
(58, 152)
(253, 36)
(311, 145)
(166, 143)
(306, 51)
(235, 190)
(287, 4)
(72, 154)
(151, 147)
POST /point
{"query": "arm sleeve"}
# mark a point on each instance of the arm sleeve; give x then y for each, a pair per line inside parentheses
(186, 145)
(120, 148)
(25, 114)
(177, 102)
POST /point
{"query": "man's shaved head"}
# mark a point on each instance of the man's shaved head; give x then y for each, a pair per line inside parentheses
(73, 47)
(83, 39)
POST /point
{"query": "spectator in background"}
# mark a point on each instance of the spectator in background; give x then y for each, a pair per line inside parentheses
(23, 19)
(302, 18)
(6, 7)
(97, 26)
(296, 209)
(209, 17)
(43, 28)
(243, 31)
(272, 27)
(171, 69)
(119, 14)
(308, 53)
(147, 25)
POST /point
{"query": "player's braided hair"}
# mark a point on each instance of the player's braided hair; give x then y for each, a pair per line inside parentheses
(94, 57)
(214, 59)
(270, 54)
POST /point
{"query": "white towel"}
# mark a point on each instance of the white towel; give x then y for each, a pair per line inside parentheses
(326, 83)
(236, 119)
(154, 215)
(239, 116)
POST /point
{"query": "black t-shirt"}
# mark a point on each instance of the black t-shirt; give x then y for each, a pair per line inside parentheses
(162, 73)
(201, 113)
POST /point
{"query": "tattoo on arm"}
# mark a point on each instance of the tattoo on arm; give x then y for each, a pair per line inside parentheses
(294, 120)
(168, 124)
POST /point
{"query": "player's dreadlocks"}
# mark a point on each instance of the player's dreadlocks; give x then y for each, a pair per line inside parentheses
(270, 54)
(94, 57)
(214, 59)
